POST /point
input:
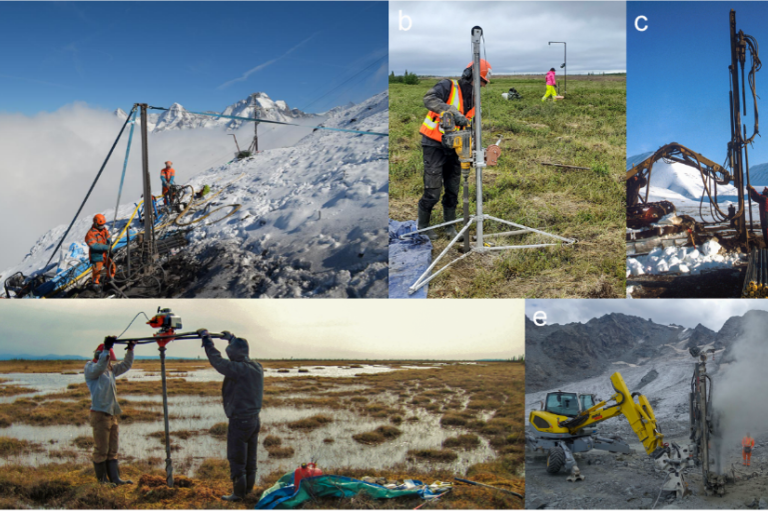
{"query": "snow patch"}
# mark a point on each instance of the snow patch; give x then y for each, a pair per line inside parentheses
(681, 260)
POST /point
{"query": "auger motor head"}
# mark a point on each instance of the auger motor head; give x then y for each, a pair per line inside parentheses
(167, 323)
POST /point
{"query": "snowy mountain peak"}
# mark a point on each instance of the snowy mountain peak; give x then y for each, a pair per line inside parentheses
(120, 113)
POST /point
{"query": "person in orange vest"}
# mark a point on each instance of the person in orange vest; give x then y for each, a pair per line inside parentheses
(98, 242)
(747, 445)
(167, 178)
(441, 164)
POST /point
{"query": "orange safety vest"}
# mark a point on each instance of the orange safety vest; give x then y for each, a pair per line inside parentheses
(431, 125)
(96, 236)
(748, 442)
(167, 173)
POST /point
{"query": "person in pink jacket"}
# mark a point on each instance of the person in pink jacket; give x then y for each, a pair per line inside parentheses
(551, 83)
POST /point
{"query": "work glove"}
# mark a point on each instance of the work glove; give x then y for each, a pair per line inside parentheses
(460, 119)
(228, 336)
(206, 337)
(109, 342)
(130, 346)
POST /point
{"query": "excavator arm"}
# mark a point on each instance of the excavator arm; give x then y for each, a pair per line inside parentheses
(639, 414)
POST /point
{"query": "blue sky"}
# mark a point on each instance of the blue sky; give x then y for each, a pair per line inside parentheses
(677, 75)
(204, 55)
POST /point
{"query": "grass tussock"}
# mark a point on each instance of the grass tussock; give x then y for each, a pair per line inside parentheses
(310, 423)
(219, 430)
(10, 446)
(588, 129)
(379, 435)
(280, 452)
(271, 441)
(433, 455)
(463, 442)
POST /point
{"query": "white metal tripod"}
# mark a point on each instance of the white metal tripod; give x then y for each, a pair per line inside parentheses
(478, 162)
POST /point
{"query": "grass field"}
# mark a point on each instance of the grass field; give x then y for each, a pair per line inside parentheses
(424, 417)
(588, 129)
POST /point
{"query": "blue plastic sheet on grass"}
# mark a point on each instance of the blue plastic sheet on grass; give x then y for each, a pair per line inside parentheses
(408, 259)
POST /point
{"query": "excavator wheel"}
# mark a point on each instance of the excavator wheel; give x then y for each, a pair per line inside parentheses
(555, 460)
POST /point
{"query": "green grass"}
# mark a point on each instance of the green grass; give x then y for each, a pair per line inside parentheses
(588, 129)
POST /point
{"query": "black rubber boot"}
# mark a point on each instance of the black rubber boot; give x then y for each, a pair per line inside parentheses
(424, 216)
(250, 481)
(449, 214)
(101, 472)
(113, 472)
(238, 489)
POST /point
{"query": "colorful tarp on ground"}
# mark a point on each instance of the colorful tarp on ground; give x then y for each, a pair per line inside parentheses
(284, 494)
(408, 259)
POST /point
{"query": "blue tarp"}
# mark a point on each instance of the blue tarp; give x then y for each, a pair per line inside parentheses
(284, 495)
(408, 259)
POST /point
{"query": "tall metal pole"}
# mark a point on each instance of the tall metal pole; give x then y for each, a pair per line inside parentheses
(168, 461)
(565, 64)
(149, 212)
(738, 51)
(477, 123)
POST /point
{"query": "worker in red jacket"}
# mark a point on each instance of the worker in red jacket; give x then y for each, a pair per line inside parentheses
(762, 200)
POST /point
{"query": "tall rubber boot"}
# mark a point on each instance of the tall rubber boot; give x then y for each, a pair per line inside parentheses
(250, 481)
(424, 216)
(113, 472)
(238, 489)
(101, 472)
(449, 214)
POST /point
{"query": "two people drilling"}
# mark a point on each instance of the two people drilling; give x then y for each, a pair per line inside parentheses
(442, 168)
(242, 395)
(98, 240)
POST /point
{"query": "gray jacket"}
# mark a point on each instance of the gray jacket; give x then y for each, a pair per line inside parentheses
(243, 387)
(101, 382)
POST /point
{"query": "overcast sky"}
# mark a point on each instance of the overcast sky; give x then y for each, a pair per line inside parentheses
(285, 328)
(516, 34)
(711, 313)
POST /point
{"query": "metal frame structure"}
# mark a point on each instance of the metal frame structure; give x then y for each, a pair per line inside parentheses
(565, 64)
(478, 162)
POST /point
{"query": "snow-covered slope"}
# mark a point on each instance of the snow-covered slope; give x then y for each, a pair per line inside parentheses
(260, 104)
(313, 220)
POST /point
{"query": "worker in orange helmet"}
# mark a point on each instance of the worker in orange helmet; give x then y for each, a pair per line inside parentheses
(167, 178)
(98, 242)
(441, 164)
(747, 445)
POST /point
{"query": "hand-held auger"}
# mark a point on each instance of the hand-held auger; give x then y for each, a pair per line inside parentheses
(167, 323)
(468, 145)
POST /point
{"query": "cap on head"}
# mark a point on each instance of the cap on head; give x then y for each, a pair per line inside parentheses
(551, 69)
(99, 219)
(99, 350)
(485, 70)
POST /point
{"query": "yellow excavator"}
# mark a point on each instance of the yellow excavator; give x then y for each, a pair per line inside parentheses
(563, 428)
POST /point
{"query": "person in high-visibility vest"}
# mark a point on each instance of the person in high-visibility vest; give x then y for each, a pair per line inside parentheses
(441, 165)
(747, 445)
(167, 178)
(98, 242)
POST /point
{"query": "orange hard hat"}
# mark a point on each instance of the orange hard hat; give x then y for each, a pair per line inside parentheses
(485, 70)
(99, 219)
